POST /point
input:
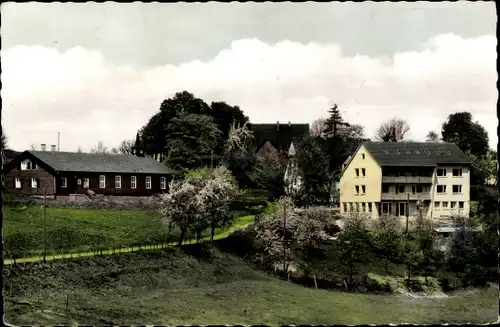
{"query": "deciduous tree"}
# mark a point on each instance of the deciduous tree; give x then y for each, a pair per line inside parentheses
(393, 130)
(99, 148)
(467, 134)
(432, 137)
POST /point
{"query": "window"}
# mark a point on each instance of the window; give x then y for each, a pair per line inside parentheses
(118, 182)
(445, 204)
(457, 172)
(385, 188)
(386, 207)
(414, 189)
(34, 183)
(363, 207)
(437, 204)
(457, 189)
(148, 182)
(102, 181)
(357, 189)
(453, 205)
(24, 165)
(441, 189)
(420, 189)
(461, 205)
(400, 189)
(357, 172)
(363, 172)
(163, 183)
(133, 182)
(441, 172)
(363, 189)
(345, 207)
(86, 183)
(362, 156)
(18, 183)
(79, 181)
(369, 207)
(64, 182)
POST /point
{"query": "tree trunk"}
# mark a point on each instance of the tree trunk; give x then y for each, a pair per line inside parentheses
(181, 237)
(212, 232)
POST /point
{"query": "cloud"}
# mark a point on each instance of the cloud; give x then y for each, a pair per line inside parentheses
(88, 98)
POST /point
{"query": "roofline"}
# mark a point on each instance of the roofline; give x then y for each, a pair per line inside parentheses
(17, 159)
(352, 157)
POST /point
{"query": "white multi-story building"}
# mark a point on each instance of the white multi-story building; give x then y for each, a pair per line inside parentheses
(404, 179)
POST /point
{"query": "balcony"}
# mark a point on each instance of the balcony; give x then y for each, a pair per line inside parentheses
(406, 179)
(404, 196)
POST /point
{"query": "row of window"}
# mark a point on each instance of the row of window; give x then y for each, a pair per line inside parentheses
(453, 205)
(363, 172)
(102, 182)
(401, 189)
(358, 207)
(28, 165)
(455, 172)
(456, 189)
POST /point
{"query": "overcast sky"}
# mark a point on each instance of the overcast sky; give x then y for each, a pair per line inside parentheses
(99, 71)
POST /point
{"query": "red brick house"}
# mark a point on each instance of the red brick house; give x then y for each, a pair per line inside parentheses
(64, 173)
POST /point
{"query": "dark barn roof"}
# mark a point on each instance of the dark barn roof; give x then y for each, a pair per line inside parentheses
(280, 135)
(416, 153)
(100, 163)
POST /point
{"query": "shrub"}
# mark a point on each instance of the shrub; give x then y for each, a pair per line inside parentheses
(18, 243)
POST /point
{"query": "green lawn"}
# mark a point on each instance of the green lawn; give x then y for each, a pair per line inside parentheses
(201, 285)
(79, 230)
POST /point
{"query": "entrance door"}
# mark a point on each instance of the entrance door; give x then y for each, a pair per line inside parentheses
(401, 209)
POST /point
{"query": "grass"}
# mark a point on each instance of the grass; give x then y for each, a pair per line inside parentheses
(84, 230)
(201, 285)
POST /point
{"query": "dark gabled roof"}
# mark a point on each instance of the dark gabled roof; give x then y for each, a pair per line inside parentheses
(280, 135)
(100, 163)
(423, 154)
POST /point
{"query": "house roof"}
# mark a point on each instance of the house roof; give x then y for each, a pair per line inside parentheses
(280, 135)
(417, 154)
(100, 163)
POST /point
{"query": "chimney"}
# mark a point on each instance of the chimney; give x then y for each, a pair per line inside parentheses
(42, 147)
(289, 124)
(53, 148)
(278, 125)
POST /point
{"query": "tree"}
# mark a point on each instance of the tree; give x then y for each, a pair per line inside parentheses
(4, 141)
(426, 240)
(354, 241)
(192, 138)
(483, 168)
(126, 146)
(393, 130)
(432, 137)
(466, 134)
(99, 148)
(314, 171)
(318, 127)
(238, 141)
(387, 239)
(334, 123)
(224, 117)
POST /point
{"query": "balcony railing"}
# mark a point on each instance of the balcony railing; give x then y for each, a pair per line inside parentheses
(406, 179)
(404, 196)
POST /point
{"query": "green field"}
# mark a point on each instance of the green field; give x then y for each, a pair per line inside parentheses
(201, 285)
(80, 230)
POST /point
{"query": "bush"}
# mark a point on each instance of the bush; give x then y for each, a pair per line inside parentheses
(17, 244)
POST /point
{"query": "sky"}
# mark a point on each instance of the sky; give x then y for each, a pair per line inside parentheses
(98, 72)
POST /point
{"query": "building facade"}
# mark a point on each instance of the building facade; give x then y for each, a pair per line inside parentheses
(63, 173)
(406, 179)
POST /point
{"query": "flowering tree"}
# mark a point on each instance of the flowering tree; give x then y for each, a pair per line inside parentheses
(199, 201)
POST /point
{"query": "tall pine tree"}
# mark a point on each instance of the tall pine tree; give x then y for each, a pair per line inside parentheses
(335, 123)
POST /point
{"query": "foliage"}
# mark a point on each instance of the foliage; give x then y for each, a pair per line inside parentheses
(200, 202)
(238, 141)
(432, 137)
(126, 146)
(335, 123)
(192, 139)
(468, 135)
(314, 171)
(3, 141)
(99, 148)
(281, 225)
(387, 238)
(483, 168)
(426, 240)
(318, 127)
(354, 240)
(393, 130)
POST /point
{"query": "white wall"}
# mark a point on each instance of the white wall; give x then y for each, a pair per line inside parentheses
(449, 196)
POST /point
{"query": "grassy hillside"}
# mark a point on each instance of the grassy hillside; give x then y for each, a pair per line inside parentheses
(75, 230)
(201, 285)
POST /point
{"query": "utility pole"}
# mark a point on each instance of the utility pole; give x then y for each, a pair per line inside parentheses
(407, 210)
(284, 237)
(44, 225)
